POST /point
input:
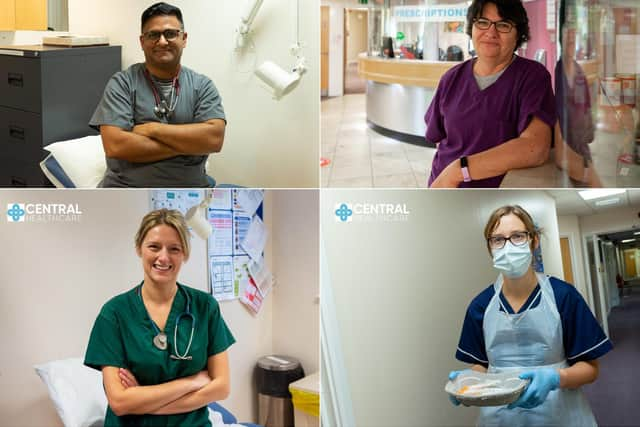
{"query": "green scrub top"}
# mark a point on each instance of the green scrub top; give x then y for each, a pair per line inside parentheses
(122, 336)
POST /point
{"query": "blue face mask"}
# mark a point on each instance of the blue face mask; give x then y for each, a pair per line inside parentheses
(513, 261)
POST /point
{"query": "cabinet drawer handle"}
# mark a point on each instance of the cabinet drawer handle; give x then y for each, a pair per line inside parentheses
(16, 132)
(16, 80)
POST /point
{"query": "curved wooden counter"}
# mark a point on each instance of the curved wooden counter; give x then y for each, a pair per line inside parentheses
(399, 92)
(408, 72)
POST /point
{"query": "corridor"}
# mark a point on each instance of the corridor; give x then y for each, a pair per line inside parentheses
(614, 396)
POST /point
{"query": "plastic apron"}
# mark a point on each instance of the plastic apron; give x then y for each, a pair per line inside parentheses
(526, 341)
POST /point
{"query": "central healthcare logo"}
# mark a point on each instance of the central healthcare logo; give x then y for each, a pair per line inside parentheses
(43, 212)
(370, 212)
(344, 213)
(16, 212)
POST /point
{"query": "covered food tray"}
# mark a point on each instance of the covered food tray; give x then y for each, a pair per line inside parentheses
(473, 388)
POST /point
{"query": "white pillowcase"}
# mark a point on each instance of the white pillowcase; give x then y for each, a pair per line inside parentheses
(76, 392)
(81, 159)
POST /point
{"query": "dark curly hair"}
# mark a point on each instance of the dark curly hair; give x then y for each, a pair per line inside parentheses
(509, 10)
(161, 9)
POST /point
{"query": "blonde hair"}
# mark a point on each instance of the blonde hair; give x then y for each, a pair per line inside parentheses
(517, 210)
(172, 218)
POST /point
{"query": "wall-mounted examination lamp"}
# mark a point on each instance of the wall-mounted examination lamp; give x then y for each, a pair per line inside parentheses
(197, 219)
(246, 20)
(279, 81)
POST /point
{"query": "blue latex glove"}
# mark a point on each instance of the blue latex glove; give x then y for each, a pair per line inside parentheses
(542, 382)
(452, 376)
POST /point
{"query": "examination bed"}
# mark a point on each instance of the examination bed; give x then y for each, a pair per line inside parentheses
(80, 163)
(78, 396)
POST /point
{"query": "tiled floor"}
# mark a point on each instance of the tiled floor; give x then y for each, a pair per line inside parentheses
(360, 157)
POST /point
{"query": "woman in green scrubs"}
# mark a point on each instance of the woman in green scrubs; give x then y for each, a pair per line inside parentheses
(161, 346)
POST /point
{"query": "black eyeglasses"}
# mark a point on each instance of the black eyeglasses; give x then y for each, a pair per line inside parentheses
(518, 238)
(485, 24)
(169, 35)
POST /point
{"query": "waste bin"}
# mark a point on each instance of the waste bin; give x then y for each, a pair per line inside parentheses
(306, 401)
(274, 374)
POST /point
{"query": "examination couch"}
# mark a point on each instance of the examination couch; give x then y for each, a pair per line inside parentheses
(77, 394)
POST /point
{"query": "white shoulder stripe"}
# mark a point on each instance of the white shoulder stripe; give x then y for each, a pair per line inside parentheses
(588, 350)
(471, 355)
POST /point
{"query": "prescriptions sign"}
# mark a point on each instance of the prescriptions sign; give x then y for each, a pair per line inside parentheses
(443, 13)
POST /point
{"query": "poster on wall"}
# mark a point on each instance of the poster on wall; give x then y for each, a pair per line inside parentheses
(230, 213)
(221, 274)
(180, 200)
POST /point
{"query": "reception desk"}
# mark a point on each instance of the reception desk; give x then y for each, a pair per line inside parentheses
(399, 92)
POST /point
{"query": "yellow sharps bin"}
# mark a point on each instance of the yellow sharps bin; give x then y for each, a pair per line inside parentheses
(306, 401)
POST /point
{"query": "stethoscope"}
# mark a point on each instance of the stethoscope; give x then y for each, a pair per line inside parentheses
(162, 109)
(160, 339)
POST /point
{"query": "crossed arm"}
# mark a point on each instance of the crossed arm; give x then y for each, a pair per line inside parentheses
(150, 142)
(530, 148)
(181, 395)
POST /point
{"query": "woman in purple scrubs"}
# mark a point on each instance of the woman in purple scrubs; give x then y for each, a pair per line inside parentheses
(495, 112)
(575, 129)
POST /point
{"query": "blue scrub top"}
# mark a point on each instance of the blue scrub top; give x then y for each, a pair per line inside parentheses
(582, 336)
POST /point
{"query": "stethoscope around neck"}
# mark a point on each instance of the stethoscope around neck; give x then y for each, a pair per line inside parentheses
(160, 339)
(162, 109)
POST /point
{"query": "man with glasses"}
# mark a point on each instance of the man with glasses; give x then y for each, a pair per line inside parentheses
(159, 120)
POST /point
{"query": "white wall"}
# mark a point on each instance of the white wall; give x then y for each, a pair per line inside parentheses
(357, 37)
(57, 276)
(610, 220)
(401, 290)
(268, 143)
(296, 306)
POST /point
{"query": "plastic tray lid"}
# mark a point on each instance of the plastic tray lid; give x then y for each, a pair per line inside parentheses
(310, 384)
(278, 363)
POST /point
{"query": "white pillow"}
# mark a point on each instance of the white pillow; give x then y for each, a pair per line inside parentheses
(76, 392)
(81, 159)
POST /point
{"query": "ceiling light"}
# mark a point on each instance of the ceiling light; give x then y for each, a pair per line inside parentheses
(636, 233)
(628, 240)
(599, 193)
(607, 202)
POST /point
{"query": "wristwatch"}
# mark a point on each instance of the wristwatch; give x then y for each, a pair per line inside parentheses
(464, 167)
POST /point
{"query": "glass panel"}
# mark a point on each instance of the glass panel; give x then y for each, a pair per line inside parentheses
(597, 90)
(419, 29)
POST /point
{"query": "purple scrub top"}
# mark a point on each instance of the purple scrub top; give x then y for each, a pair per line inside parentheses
(573, 104)
(464, 120)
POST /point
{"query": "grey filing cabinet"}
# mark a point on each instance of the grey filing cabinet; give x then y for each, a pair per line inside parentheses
(47, 94)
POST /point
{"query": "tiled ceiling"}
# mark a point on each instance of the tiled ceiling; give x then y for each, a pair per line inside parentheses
(569, 202)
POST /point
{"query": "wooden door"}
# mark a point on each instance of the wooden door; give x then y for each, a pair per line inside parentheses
(31, 15)
(324, 48)
(630, 263)
(567, 265)
(7, 15)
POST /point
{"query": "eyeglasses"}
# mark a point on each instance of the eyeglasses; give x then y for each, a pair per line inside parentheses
(518, 238)
(169, 35)
(485, 24)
